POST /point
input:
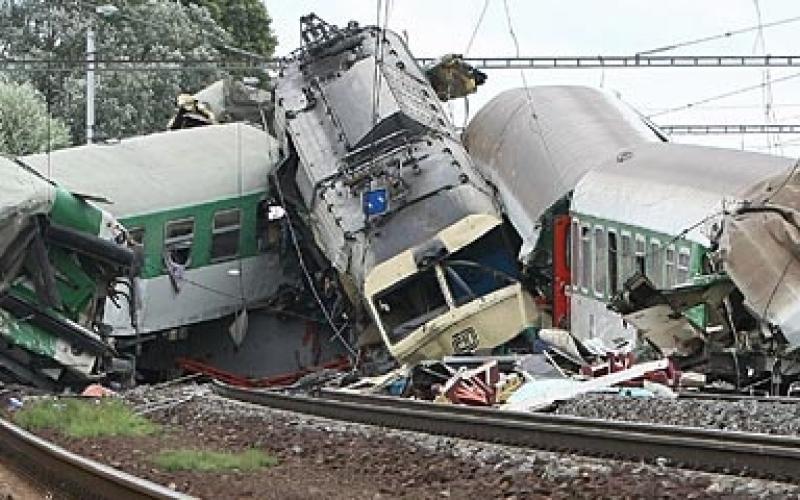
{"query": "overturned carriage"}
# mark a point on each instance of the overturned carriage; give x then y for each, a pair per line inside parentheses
(375, 170)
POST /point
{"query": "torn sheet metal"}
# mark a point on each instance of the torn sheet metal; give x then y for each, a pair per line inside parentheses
(660, 315)
(540, 394)
(452, 78)
(542, 140)
(760, 249)
(25, 195)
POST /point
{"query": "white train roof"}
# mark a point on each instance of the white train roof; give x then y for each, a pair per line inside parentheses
(669, 188)
(167, 169)
(535, 143)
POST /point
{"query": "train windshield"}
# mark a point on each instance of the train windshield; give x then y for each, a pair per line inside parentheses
(449, 283)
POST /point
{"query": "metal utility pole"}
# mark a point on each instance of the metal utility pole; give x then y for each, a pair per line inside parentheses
(90, 84)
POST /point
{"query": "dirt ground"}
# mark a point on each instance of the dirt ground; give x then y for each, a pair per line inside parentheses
(318, 464)
(323, 459)
(14, 486)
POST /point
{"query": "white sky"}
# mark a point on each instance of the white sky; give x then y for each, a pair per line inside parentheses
(599, 27)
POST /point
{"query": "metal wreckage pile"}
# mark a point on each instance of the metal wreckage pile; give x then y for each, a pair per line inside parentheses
(559, 246)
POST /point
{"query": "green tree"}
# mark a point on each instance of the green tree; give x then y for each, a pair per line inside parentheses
(25, 125)
(247, 21)
(136, 99)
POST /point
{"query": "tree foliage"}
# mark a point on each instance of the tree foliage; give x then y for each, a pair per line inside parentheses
(138, 98)
(25, 125)
(247, 21)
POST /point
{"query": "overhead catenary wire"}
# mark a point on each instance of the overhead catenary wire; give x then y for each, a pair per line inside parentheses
(719, 36)
(477, 27)
(724, 95)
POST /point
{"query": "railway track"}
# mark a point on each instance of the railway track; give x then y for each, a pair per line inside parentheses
(70, 475)
(752, 454)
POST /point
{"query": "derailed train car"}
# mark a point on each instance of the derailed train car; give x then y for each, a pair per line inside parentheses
(640, 241)
(59, 259)
(219, 283)
(376, 173)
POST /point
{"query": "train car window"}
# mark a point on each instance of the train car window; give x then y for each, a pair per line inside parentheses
(639, 254)
(626, 256)
(656, 263)
(178, 237)
(613, 275)
(669, 267)
(575, 242)
(684, 257)
(136, 235)
(225, 234)
(599, 268)
(586, 259)
(410, 304)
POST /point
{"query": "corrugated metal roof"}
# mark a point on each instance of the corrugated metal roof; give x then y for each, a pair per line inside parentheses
(535, 144)
(669, 187)
(167, 169)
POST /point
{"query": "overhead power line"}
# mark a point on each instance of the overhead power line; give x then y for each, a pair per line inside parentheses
(727, 34)
(495, 63)
(714, 129)
(723, 95)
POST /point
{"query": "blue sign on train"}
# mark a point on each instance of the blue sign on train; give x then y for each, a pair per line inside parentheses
(375, 202)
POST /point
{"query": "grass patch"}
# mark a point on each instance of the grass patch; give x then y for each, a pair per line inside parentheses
(82, 418)
(202, 460)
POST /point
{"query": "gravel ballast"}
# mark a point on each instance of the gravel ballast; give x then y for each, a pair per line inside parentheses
(744, 416)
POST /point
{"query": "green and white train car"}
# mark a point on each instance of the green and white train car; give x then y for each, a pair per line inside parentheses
(596, 194)
(213, 242)
(652, 210)
(59, 255)
(195, 199)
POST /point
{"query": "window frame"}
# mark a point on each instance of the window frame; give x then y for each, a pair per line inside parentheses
(586, 260)
(637, 253)
(575, 257)
(627, 259)
(599, 261)
(178, 242)
(656, 260)
(670, 266)
(613, 284)
(224, 230)
(687, 252)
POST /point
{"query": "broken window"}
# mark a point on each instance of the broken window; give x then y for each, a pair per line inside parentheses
(586, 258)
(639, 254)
(269, 225)
(613, 275)
(225, 234)
(178, 236)
(626, 256)
(136, 235)
(656, 264)
(410, 304)
(684, 257)
(575, 242)
(599, 269)
(669, 267)
(468, 280)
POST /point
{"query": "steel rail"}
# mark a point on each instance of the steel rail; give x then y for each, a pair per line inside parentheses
(73, 474)
(721, 396)
(705, 449)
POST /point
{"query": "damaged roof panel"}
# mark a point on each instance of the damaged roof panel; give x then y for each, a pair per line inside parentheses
(657, 186)
(535, 144)
(760, 249)
(155, 169)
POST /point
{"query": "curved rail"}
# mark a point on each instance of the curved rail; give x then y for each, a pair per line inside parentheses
(705, 449)
(72, 474)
